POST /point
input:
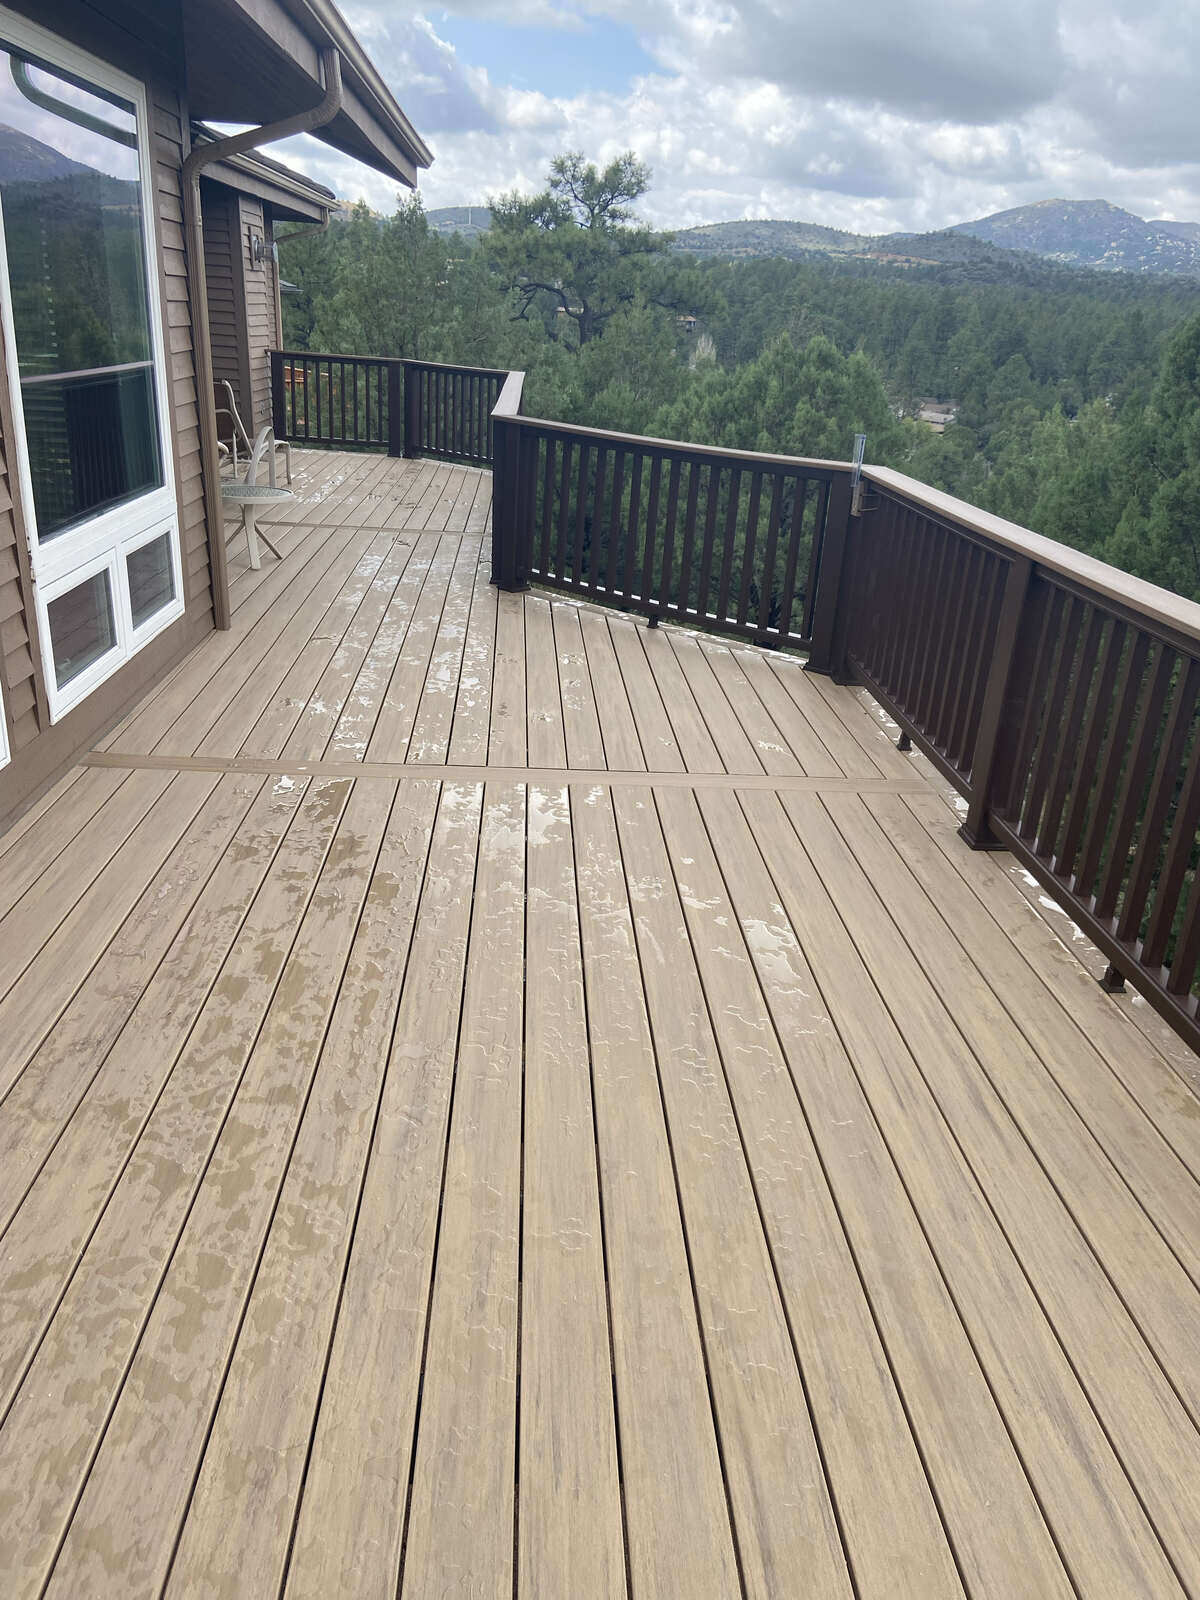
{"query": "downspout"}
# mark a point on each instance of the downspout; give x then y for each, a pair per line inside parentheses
(202, 156)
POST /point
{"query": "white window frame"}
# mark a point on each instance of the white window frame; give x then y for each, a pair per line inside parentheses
(104, 540)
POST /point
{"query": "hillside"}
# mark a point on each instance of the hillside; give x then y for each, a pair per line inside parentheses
(1178, 230)
(1071, 233)
(470, 221)
(26, 160)
(949, 255)
(792, 240)
(1092, 233)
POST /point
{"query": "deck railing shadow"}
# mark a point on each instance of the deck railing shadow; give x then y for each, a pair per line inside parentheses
(1058, 695)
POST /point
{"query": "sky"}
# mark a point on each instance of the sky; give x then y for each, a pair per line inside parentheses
(873, 116)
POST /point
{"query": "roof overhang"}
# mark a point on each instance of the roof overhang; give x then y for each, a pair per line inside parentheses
(289, 194)
(255, 61)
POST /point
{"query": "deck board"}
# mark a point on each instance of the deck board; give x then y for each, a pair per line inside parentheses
(497, 1099)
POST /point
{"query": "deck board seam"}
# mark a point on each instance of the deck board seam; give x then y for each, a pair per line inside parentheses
(394, 771)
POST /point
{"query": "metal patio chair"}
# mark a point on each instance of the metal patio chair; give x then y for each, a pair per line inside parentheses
(239, 436)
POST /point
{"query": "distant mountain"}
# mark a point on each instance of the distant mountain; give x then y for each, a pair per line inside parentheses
(1070, 233)
(1092, 233)
(470, 221)
(1018, 244)
(797, 241)
(1178, 230)
(25, 160)
(767, 238)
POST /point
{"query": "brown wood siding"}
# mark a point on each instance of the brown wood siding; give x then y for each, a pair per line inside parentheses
(17, 649)
(259, 293)
(40, 750)
(220, 265)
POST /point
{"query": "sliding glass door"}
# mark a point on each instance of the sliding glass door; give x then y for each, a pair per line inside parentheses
(84, 354)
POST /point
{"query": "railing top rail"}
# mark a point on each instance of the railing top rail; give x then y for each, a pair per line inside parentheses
(508, 401)
(391, 361)
(333, 355)
(751, 458)
(453, 366)
(1156, 605)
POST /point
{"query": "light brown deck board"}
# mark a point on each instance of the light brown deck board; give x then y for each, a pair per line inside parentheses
(51, 1083)
(779, 1498)
(459, 1532)
(496, 1099)
(678, 1533)
(241, 1511)
(123, 1529)
(568, 1424)
(350, 1525)
(618, 729)
(544, 732)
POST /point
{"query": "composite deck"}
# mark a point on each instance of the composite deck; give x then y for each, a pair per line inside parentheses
(501, 1100)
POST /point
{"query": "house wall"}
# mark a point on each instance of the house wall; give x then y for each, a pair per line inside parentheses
(222, 271)
(41, 750)
(259, 292)
(242, 298)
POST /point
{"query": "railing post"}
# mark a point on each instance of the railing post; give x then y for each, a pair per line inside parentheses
(395, 408)
(974, 828)
(509, 563)
(412, 412)
(828, 649)
(278, 409)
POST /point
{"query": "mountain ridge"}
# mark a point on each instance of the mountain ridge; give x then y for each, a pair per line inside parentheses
(1091, 234)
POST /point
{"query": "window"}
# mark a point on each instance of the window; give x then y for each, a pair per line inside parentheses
(84, 351)
(82, 627)
(151, 579)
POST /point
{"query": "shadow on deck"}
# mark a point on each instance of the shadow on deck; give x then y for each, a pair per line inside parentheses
(493, 1091)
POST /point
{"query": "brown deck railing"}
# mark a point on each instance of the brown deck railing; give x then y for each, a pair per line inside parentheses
(718, 538)
(1060, 696)
(379, 403)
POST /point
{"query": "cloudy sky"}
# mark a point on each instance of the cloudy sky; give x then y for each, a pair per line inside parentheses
(873, 115)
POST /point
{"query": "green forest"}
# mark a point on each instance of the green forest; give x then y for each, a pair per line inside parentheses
(1076, 394)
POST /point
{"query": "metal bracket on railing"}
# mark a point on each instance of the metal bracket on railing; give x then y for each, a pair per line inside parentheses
(856, 488)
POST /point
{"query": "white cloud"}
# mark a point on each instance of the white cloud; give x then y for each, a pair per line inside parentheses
(875, 117)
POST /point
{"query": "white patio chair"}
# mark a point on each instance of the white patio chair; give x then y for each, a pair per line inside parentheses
(250, 494)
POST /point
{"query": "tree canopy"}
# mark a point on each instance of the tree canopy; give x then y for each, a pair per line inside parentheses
(1076, 394)
(574, 254)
